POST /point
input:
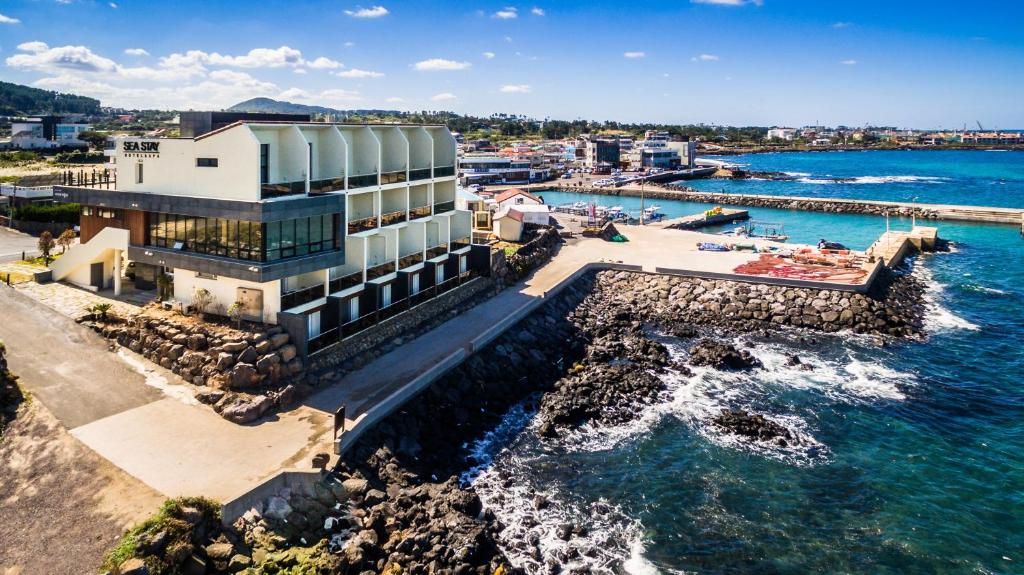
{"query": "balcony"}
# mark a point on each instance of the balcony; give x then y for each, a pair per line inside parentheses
(446, 285)
(444, 171)
(362, 225)
(364, 181)
(410, 260)
(392, 218)
(301, 296)
(392, 310)
(421, 174)
(420, 212)
(436, 251)
(268, 191)
(379, 270)
(345, 282)
(444, 207)
(392, 178)
(323, 340)
(463, 242)
(328, 185)
(355, 326)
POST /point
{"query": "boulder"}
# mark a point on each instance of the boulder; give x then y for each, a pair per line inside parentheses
(242, 375)
(721, 355)
(220, 551)
(248, 355)
(225, 361)
(267, 362)
(234, 346)
(197, 342)
(279, 339)
(133, 566)
(287, 352)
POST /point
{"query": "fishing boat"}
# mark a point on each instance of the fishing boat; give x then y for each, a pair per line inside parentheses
(771, 231)
(651, 214)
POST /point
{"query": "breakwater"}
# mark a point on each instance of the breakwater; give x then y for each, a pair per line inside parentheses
(996, 215)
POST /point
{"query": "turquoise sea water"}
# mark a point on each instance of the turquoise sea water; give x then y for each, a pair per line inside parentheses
(912, 459)
(980, 178)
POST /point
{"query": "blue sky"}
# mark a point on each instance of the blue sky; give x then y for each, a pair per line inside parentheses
(738, 62)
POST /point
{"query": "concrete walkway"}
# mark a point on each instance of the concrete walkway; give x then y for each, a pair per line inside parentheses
(142, 418)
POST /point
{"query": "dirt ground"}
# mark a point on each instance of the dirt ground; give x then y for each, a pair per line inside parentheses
(62, 506)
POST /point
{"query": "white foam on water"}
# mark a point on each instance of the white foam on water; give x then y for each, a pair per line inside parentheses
(874, 180)
(797, 174)
(939, 318)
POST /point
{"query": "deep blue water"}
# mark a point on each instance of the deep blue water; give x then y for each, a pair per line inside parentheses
(912, 459)
(934, 177)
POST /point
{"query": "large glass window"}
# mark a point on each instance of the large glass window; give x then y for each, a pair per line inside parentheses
(252, 241)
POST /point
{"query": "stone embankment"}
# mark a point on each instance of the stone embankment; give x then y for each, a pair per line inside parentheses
(592, 354)
(244, 372)
(683, 193)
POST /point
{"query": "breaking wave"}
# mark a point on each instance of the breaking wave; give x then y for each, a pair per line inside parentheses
(874, 180)
(938, 317)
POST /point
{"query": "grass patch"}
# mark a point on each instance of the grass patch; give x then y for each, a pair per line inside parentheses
(178, 518)
(15, 277)
(40, 262)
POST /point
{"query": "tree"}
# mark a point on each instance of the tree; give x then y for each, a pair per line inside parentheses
(95, 139)
(66, 239)
(235, 313)
(46, 244)
(165, 286)
(201, 299)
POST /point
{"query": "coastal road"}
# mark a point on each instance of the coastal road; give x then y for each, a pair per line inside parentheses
(13, 243)
(66, 365)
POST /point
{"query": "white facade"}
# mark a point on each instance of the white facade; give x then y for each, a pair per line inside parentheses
(787, 134)
(29, 136)
(396, 183)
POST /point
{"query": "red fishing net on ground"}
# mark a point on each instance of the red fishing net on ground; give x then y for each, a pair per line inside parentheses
(777, 267)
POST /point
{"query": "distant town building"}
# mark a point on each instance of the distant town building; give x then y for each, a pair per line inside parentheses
(787, 134)
(499, 170)
(44, 133)
(602, 150)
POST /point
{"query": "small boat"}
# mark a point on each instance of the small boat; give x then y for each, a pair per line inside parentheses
(651, 214)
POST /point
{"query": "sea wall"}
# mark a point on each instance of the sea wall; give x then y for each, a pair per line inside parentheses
(830, 205)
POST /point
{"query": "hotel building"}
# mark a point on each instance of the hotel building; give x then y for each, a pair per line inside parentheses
(325, 229)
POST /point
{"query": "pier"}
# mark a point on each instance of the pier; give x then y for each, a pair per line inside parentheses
(702, 220)
(893, 246)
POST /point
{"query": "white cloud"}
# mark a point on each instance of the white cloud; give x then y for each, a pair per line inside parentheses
(435, 64)
(261, 58)
(136, 52)
(113, 5)
(33, 47)
(443, 97)
(664, 75)
(841, 25)
(299, 71)
(537, 11)
(42, 58)
(516, 89)
(8, 20)
(634, 54)
(850, 62)
(508, 39)
(357, 73)
(323, 63)
(334, 95)
(729, 2)
(349, 44)
(705, 58)
(488, 55)
(294, 94)
(507, 13)
(372, 12)
(394, 100)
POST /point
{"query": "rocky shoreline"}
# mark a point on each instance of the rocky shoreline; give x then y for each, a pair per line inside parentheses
(591, 355)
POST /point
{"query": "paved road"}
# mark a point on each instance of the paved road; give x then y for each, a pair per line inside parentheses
(12, 243)
(67, 366)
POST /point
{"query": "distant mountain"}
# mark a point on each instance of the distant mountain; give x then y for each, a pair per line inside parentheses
(16, 99)
(269, 105)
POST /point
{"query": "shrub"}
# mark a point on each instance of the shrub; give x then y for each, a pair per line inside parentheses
(49, 213)
(183, 519)
(79, 157)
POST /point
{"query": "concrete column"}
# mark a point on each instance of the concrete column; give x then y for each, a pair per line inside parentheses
(117, 272)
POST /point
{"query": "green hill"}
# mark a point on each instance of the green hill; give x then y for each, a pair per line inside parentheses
(16, 99)
(268, 105)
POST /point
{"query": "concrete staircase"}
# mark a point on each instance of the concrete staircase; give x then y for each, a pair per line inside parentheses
(106, 246)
